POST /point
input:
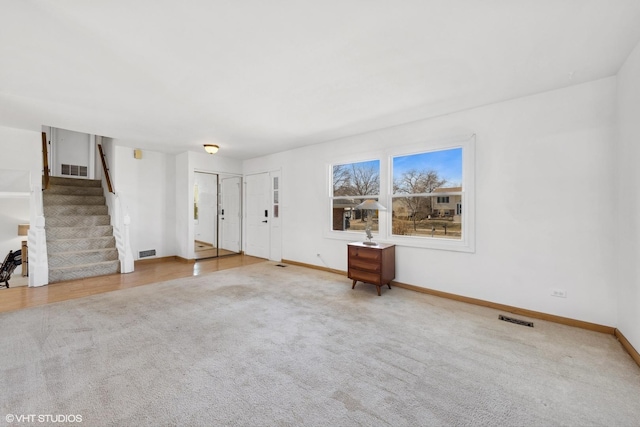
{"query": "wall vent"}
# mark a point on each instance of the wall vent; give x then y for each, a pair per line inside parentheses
(73, 170)
(516, 321)
(150, 252)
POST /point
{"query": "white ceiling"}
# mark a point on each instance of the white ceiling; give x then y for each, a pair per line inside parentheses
(261, 76)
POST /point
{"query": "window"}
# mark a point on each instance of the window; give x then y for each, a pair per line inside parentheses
(276, 197)
(353, 183)
(427, 188)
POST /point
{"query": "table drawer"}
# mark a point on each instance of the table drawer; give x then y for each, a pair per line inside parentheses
(364, 276)
(364, 253)
(364, 264)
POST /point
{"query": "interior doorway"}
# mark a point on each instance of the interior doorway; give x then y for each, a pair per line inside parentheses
(216, 215)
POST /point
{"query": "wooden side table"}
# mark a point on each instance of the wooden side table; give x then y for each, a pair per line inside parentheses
(372, 264)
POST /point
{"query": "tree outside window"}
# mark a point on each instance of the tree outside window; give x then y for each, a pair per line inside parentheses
(427, 194)
(353, 183)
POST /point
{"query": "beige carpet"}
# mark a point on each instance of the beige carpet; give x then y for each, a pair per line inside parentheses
(267, 346)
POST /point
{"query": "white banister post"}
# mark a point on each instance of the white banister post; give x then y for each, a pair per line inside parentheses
(38, 263)
(127, 265)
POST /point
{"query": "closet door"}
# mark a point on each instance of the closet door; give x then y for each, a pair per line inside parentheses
(230, 214)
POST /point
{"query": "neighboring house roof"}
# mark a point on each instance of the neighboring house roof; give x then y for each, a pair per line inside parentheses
(337, 203)
(447, 190)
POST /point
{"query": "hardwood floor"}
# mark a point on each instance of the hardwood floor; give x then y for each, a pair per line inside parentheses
(204, 250)
(147, 272)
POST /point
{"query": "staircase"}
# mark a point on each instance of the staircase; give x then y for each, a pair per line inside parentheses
(80, 240)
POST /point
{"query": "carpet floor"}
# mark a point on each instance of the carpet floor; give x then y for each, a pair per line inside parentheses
(269, 346)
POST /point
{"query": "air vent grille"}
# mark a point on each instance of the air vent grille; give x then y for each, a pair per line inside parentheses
(516, 321)
(73, 170)
(150, 252)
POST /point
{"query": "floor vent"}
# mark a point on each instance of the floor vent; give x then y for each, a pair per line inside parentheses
(151, 252)
(280, 265)
(516, 321)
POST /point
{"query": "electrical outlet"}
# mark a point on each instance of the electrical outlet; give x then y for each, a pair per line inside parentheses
(560, 293)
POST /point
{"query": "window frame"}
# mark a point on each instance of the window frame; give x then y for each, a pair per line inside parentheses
(354, 235)
(384, 233)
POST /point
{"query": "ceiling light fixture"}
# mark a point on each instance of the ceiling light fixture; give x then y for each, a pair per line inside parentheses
(211, 148)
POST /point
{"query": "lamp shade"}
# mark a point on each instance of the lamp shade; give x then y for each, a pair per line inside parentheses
(371, 205)
(211, 148)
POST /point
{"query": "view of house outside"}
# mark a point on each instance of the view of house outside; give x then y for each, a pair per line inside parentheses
(427, 198)
(354, 183)
(427, 194)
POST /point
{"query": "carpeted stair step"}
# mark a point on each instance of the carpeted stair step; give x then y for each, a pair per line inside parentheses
(80, 241)
(54, 233)
(75, 190)
(59, 274)
(74, 182)
(64, 199)
(75, 258)
(51, 211)
(83, 244)
(78, 220)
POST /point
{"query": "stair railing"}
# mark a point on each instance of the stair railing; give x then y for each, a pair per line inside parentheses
(45, 162)
(119, 220)
(105, 168)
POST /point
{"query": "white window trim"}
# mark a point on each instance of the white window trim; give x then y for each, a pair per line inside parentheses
(465, 244)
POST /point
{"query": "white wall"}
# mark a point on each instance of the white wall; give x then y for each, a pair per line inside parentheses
(544, 205)
(22, 161)
(628, 200)
(13, 211)
(146, 188)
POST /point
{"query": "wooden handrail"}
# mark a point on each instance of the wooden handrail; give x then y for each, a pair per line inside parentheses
(105, 169)
(45, 162)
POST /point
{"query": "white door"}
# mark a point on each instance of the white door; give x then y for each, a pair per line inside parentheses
(258, 192)
(230, 214)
